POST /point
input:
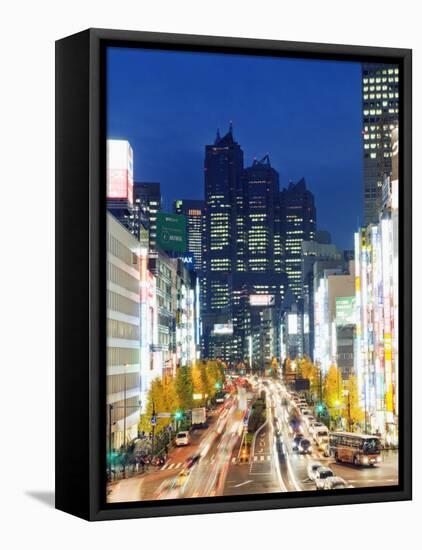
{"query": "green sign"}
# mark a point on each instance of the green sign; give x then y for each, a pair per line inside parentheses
(171, 232)
(345, 310)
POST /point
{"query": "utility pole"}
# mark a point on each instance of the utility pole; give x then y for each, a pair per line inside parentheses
(124, 410)
(320, 383)
(110, 410)
(153, 421)
(348, 412)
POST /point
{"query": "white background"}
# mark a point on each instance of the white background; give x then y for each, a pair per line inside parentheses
(27, 37)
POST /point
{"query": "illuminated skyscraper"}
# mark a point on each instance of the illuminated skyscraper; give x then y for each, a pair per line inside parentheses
(223, 168)
(147, 202)
(223, 242)
(321, 253)
(298, 224)
(380, 95)
(194, 212)
(261, 217)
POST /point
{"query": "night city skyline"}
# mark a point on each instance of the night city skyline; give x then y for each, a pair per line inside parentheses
(252, 275)
(290, 109)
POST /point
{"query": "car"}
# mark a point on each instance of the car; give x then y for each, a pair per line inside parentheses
(304, 446)
(321, 437)
(192, 460)
(296, 441)
(182, 477)
(315, 427)
(310, 420)
(182, 439)
(321, 475)
(313, 469)
(311, 426)
(335, 482)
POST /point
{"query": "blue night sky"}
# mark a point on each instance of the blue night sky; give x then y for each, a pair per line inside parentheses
(306, 114)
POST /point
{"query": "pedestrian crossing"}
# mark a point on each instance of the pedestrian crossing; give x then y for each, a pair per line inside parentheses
(261, 458)
(172, 466)
(234, 460)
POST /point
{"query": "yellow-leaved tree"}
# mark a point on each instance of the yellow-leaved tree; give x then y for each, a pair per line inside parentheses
(199, 382)
(352, 402)
(333, 391)
(310, 371)
(154, 404)
(214, 377)
(162, 398)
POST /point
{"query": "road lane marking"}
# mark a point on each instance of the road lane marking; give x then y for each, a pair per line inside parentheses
(234, 460)
(244, 483)
(172, 465)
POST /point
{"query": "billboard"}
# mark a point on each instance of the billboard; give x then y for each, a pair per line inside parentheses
(262, 300)
(188, 260)
(171, 232)
(292, 323)
(345, 310)
(119, 170)
(223, 329)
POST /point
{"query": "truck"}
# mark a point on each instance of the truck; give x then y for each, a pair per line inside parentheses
(199, 417)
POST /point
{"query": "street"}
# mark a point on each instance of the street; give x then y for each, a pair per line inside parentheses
(272, 466)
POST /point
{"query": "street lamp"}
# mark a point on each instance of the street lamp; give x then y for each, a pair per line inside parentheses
(346, 393)
(250, 350)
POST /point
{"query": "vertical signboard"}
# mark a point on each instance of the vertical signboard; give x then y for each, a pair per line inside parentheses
(171, 232)
(345, 310)
(119, 170)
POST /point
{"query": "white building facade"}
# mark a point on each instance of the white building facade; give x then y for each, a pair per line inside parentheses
(123, 335)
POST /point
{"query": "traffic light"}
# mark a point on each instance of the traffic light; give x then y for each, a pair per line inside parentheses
(112, 455)
(320, 408)
(218, 385)
(178, 415)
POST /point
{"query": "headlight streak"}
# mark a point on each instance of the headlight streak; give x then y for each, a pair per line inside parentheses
(287, 443)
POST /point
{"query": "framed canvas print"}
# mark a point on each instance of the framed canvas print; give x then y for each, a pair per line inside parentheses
(233, 274)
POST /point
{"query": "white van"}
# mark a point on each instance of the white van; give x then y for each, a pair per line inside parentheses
(321, 438)
(182, 439)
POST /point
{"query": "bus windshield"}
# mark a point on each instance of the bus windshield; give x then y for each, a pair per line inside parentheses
(371, 446)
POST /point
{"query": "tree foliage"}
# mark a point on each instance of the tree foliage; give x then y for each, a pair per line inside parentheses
(352, 402)
(311, 372)
(184, 387)
(155, 404)
(172, 394)
(333, 390)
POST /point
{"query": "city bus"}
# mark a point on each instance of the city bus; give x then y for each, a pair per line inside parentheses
(357, 449)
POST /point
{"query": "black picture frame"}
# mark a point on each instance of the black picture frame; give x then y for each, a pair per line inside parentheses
(80, 272)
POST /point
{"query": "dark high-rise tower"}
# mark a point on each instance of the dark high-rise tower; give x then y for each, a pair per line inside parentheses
(223, 196)
(261, 202)
(380, 94)
(223, 237)
(298, 224)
